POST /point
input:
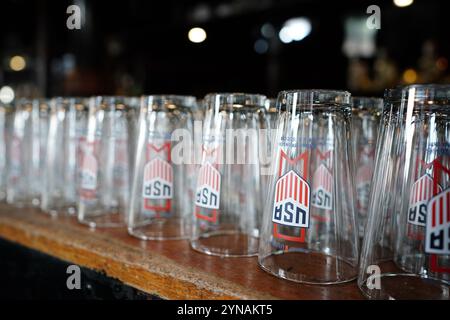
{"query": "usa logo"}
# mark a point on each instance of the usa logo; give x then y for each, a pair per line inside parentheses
(207, 192)
(438, 224)
(88, 176)
(421, 193)
(208, 187)
(157, 187)
(282, 230)
(158, 177)
(322, 188)
(291, 205)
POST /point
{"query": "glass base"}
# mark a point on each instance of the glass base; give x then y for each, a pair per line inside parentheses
(161, 229)
(226, 244)
(56, 211)
(24, 203)
(112, 220)
(309, 267)
(406, 287)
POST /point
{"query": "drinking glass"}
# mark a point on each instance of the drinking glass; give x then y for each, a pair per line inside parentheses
(6, 113)
(406, 248)
(228, 187)
(24, 156)
(309, 230)
(161, 197)
(68, 123)
(106, 162)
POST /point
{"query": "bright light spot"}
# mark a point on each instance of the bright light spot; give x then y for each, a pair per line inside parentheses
(410, 76)
(295, 29)
(403, 3)
(17, 63)
(261, 46)
(6, 94)
(267, 30)
(197, 35)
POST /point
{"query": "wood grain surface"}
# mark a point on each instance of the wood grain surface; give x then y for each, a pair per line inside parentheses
(169, 269)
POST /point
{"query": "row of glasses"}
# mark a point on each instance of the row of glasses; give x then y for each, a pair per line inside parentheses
(305, 217)
(95, 144)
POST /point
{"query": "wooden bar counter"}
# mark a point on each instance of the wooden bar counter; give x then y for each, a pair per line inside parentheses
(167, 269)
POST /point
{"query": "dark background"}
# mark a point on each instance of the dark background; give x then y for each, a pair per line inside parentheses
(135, 47)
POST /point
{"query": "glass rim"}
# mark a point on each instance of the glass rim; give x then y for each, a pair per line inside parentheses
(271, 105)
(256, 100)
(362, 102)
(187, 101)
(71, 99)
(168, 96)
(328, 91)
(313, 97)
(422, 92)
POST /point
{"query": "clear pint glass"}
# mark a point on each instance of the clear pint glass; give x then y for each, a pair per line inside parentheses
(228, 188)
(406, 248)
(105, 165)
(24, 154)
(68, 123)
(161, 199)
(309, 231)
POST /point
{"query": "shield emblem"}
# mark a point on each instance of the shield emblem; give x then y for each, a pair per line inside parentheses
(291, 204)
(286, 164)
(421, 193)
(158, 177)
(88, 176)
(157, 188)
(208, 188)
(438, 224)
(322, 188)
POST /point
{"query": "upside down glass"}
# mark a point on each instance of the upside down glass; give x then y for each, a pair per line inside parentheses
(161, 202)
(68, 123)
(406, 249)
(6, 113)
(24, 153)
(309, 232)
(365, 121)
(228, 189)
(106, 162)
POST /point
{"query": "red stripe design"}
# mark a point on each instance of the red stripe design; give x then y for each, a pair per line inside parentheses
(422, 189)
(440, 209)
(448, 206)
(209, 176)
(322, 178)
(433, 222)
(158, 169)
(291, 186)
(90, 163)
